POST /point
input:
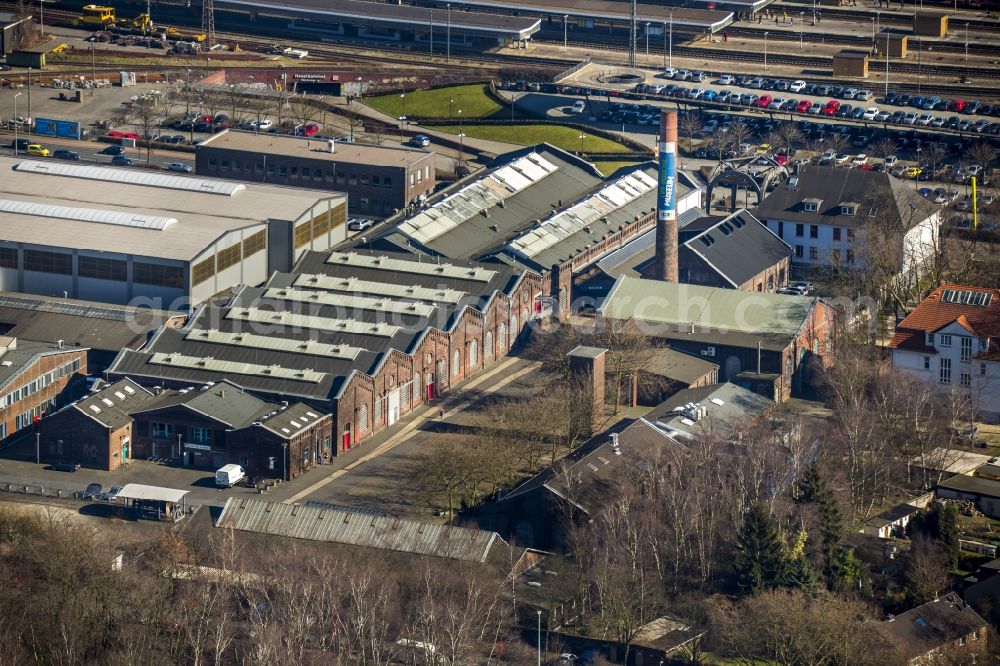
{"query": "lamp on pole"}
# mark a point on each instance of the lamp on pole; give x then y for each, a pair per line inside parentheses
(802, 25)
(581, 144)
(461, 147)
(664, 46)
(29, 101)
(402, 101)
(873, 31)
(447, 39)
(566, 31)
(670, 53)
(460, 125)
(15, 123)
(451, 102)
(539, 637)
(402, 119)
(886, 62)
(765, 49)
(966, 42)
(647, 36)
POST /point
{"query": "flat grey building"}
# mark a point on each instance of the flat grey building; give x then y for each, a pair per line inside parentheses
(121, 235)
(379, 180)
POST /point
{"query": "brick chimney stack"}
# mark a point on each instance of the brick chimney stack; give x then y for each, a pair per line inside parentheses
(666, 200)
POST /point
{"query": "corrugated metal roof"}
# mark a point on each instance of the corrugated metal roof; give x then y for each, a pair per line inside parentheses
(144, 492)
(132, 177)
(122, 219)
(311, 321)
(348, 302)
(232, 367)
(274, 343)
(356, 529)
(353, 284)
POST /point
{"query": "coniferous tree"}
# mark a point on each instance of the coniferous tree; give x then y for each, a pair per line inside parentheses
(797, 572)
(813, 489)
(948, 532)
(759, 562)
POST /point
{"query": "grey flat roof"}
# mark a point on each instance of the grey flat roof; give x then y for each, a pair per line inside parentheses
(679, 366)
(357, 529)
(201, 218)
(727, 406)
(305, 148)
(974, 485)
(112, 405)
(396, 14)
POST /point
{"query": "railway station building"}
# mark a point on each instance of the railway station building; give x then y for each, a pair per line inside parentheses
(119, 235)
(368, 337)
(378, 180)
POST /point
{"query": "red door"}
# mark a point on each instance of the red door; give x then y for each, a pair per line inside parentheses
(347, 441)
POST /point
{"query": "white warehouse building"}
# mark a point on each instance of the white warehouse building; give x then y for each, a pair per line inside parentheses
(121, 235)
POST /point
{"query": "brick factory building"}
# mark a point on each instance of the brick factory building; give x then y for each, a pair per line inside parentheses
(368, 337)
(379, 180)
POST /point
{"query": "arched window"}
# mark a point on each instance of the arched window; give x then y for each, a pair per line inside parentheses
(514, 328)
(378, 412)
(416, 387)
(488, 345)
(456, 363)
(442, 370)
(563, 303)
(502, 339)
(474, 353)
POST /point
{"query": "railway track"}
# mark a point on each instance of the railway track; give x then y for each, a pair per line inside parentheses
(886, 15)
(938, 46)
(790, 59)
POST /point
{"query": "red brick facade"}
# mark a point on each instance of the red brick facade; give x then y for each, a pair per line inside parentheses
(49, 382)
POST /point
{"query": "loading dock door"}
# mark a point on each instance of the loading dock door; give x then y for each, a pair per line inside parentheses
(393, 402)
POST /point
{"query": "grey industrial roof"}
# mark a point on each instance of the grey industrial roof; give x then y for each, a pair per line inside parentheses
(890, 198)
(632, 258)
(328, 339)
(933, 625)
(395, 14)
(202, 216)
(155, 493)
(305, 148)
(79, 323)
(292, 420)
(974, 485)
(112, 405)
(455, 224)
(738, 406)
(678, 366)
(676, 311)
(224, 402)
(738, 247)
(14, 362)
(357, 529)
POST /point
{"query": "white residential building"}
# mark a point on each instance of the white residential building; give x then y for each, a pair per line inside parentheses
(953, 339)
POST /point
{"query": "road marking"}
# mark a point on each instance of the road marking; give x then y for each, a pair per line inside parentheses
(418, 420)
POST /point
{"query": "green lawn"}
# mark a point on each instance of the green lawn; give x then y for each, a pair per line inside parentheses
(471, 99)
(609, 167)
(560, 136)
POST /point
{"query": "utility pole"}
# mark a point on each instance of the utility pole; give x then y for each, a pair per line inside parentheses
(566, 32)
(671, 48)
(633, 29)
(30, 117)
(886, 62)
(539, 637)
(448, 36)
(208, 21)
(664, 45)
(966, 42)
(647, 39)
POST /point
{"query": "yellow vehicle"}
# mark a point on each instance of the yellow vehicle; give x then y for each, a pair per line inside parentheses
(141, 24)
(174, 33)
(764, 149)
(59, 49)
(96, 17)
(37, 150)
(913, 172)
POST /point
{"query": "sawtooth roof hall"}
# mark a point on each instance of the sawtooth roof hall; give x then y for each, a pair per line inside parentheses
(366, 336)
(111, 234)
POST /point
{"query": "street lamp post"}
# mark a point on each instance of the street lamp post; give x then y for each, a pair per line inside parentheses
(647, 37)
(451, 102)
(765, 49)
(461, 148)
(29, 101)
(402, 119)
(966, 42)
(402, 98)
(539, 637)
(670, 54)
(886, 62)
(873, 32)
(565, 31)
(802, 24)
(581, 145)
(664, 46)
(447, 38)
(15, 123)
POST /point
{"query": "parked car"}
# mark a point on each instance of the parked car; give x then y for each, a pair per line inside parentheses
(179, 167)
(111, 495)
(262, 125)
(64, 154)
(726, 80)
(870, 113)
(37, 150)
(891, 161)
(797, 86)
(65, 466)
(577, 107)
(92, 491)
(113, 150)
(121, 160)
(803, 106)
(420, 141)
(359, 224)
(20, 144)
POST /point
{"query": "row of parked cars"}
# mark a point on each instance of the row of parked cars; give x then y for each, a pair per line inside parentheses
(96, 492)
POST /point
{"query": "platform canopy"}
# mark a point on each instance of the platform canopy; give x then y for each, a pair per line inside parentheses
(139, 491)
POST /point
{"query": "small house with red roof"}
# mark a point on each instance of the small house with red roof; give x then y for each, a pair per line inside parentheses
(953, 339)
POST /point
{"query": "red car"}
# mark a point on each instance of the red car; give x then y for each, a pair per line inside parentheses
(803, 106)
(114, 134)
(310, 129)
(958, 105)
(781, 159)
(764, 101)
(831, 107)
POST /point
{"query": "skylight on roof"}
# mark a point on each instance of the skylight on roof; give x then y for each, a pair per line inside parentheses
(95, 409)
(107, 402)
(119, 395)
(129, 390)
(977, 298)
(131, 177)
(86, 214)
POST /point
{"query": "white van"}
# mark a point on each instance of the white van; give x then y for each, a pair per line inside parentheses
(578, 106)
(229, 475)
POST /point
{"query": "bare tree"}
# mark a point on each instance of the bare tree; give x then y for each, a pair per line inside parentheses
(983, 154)
(788, 134)
(883, 147)
(147, 114)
